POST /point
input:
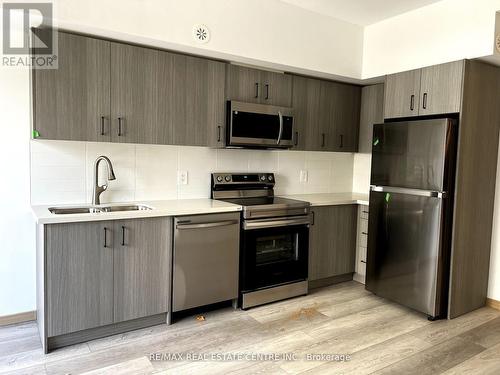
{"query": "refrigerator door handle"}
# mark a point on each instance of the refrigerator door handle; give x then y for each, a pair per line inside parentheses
(409, 191)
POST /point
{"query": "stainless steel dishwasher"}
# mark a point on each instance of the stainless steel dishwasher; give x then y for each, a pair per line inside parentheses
(206, 259)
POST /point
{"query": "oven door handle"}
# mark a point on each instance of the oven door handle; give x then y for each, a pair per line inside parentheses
(272, 223)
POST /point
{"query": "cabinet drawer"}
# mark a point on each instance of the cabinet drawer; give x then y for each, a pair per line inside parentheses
(363, 214)
(363, 240)
(363, 226)
(362, 254)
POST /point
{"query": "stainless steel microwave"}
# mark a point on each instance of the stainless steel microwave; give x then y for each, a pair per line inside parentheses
(258, 125)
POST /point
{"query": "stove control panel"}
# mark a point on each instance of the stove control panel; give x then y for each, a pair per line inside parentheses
(265, 179)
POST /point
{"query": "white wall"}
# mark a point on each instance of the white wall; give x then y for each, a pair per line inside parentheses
(441, 32)
(17, 251)
(266, 32)
(62, 172)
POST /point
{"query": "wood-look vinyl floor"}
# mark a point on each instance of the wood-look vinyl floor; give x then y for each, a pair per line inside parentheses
(379, 336)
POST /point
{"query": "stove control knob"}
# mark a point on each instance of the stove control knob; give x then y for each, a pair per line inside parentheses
(263, 178)
(219, 178)
(270, 177)
(228, 178)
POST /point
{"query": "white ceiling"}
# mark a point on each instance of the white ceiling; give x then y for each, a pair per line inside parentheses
(360, 12)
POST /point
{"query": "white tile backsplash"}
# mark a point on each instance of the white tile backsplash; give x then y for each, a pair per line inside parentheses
(62, 172)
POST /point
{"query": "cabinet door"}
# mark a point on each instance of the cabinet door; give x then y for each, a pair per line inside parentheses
(332, 244)
(276, 89)
(243, 84)
(79, 276)
(372, 112)
(299, 104)
(134, 79)
(72, 102)
(441, 88)
(327, 103)
(142, 250)
(402, 94)
(198, 101)
(313, 125)
(345, 112)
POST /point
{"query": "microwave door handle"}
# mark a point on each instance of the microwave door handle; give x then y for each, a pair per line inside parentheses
(281, 127)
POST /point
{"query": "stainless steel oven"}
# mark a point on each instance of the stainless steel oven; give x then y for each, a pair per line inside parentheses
(274, 238)
(274, 252)
(259, 125)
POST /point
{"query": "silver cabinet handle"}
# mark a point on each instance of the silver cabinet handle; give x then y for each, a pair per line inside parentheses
(267, 91)
(281, 127)
(412, 102)
(424, 101)
(206, 225)
(218, 134)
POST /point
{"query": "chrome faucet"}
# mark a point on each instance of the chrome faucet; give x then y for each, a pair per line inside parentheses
(98, 189)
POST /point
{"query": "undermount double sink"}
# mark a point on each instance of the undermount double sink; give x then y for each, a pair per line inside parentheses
(98, 209)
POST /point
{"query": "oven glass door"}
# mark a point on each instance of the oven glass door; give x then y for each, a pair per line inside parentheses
(272, 256)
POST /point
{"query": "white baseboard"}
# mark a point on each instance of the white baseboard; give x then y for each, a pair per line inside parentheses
(17, 318)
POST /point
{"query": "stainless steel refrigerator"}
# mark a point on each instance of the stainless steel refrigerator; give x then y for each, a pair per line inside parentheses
(410, 214)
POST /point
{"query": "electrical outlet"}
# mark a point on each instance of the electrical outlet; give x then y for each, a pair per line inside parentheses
(182, 177)
(303, 176)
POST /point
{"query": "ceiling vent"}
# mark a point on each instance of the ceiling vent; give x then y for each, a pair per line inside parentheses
(201, 33)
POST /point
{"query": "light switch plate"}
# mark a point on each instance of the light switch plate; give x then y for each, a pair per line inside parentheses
(303, 176)
(182, 177)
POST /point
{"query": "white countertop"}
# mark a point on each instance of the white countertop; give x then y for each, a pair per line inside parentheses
(175, 207)
(331, 199)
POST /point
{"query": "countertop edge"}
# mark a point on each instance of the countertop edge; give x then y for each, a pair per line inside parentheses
(124, 215)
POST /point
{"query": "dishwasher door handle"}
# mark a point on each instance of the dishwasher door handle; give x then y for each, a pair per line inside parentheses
(207, 225)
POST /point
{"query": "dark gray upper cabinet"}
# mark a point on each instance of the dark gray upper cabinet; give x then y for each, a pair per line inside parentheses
(257, 86)
(198, 101)
(73, 101)
(134, 99)
(276, 88)
(79, 276)
(432, 90)
(243, 84)
(326, 115)
(402, 94)
(305, 103)
(441, 88)
(345, 110)
(332, 245)
(372, 112)
(141, 267)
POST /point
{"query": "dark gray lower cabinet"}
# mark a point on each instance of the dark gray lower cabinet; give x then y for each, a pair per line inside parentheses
(141, 267)
(332, 244)
(101, 273)
(78, 276)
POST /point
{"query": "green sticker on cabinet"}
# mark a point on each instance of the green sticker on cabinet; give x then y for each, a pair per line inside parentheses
(387, 197)
(36, 134)
(376, 141)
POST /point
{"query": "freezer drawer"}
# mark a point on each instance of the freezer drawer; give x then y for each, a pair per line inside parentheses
(404, 260)
(206, 259)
